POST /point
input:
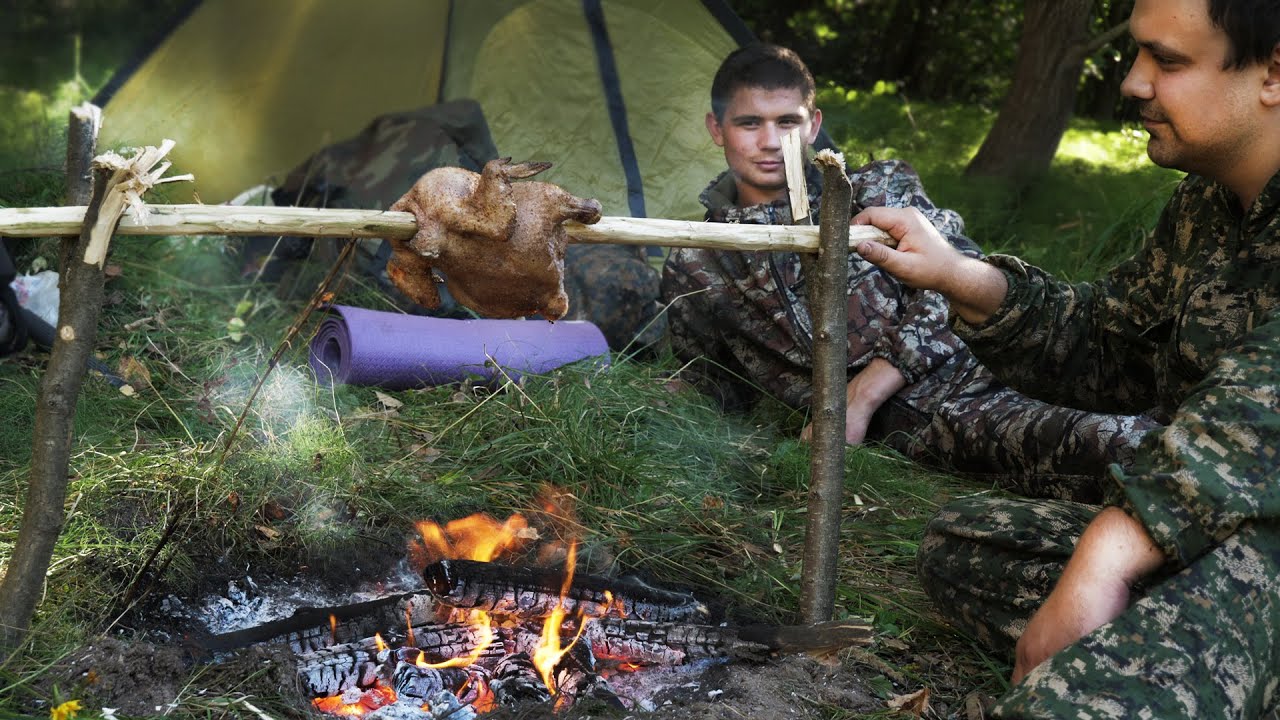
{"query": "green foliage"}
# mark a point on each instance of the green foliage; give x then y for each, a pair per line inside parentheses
(1092, 209)
(958, 50)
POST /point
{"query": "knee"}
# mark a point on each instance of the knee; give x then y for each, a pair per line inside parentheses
(933, 557)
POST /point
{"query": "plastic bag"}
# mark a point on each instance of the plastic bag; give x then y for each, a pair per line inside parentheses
(39, 294)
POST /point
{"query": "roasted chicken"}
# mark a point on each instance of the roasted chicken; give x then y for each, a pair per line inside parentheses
(499, 244)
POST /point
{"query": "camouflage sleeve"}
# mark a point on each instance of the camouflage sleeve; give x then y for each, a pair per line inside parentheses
(1083, 345)
(922, 339)
(1214, 467)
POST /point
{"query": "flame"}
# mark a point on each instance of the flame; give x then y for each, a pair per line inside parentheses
(372, 699)
(333, 629)
(475, 537)
(549, 652)
(379, 643)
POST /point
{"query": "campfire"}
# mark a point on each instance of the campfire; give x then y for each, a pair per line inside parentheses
(480, 633)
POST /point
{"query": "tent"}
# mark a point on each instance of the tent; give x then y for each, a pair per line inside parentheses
(611, 91)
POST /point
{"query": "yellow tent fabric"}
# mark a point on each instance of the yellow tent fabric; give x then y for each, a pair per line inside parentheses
(613, 92)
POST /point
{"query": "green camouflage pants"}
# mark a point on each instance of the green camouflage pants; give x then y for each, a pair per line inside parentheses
(1200, 643)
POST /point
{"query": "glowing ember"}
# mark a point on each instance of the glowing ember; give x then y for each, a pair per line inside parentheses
(352, 705)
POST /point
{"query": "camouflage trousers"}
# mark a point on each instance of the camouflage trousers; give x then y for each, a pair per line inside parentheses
(1200, 643)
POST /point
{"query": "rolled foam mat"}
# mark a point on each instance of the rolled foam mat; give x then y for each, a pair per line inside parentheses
(355, 346)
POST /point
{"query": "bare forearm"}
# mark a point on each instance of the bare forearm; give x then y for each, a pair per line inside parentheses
(1114, 552)
(1114, 545)
(975, 290)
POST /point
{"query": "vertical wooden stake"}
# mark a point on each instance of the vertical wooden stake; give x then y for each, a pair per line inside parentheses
(828, 304)
(80, 301)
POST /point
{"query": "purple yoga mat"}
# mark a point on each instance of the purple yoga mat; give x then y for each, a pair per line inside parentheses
(396, 351)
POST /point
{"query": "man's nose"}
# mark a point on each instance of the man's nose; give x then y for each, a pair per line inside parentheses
(771, 138)
(1137, 83)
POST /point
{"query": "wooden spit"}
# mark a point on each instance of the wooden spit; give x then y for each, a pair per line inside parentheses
(317, 222)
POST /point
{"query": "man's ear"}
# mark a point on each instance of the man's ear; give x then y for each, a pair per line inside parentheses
(815, 126)
(713, 127)
(1271, 86)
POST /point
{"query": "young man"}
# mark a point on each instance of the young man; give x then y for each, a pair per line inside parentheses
(744, 317)
(1165, 603)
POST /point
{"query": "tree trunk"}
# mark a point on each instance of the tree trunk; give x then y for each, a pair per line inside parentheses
(81, 298)
(1034, 115)
(1105, 104)
(894, 60)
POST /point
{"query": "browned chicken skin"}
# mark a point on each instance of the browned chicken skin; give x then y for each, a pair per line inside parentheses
(499, 244)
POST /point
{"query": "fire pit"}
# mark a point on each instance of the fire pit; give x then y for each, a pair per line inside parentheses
(478, 634)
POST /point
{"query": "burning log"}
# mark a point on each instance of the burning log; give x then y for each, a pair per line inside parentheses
(333, 671)
(330, 671)
(618, 641)
(576, 678)
(516, 680)
(423, 682)
(535, 592)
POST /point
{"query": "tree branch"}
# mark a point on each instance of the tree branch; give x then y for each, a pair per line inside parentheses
(1099, 41)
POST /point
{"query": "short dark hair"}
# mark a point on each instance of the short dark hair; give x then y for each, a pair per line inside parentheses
(1252, 27)
(760, 65)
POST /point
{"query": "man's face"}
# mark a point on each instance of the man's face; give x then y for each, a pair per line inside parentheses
(1202, 119)
(751, 134)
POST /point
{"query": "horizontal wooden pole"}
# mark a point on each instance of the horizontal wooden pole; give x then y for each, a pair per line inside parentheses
(314, 222)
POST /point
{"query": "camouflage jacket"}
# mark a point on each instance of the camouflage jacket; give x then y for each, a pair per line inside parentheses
(1186, 325)
(887, 320)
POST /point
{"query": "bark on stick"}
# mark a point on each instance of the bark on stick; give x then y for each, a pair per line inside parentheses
(828, 305)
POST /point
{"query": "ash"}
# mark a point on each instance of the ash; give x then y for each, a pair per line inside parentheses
(637, 689)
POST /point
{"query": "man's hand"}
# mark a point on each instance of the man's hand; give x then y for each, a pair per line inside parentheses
(1114, 552)
(924, 259)
(866, 392)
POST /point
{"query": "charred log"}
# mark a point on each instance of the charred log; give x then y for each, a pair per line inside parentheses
(311, 628)
(641, 642)
(535, 592)
(330, 671)
(576, 678)
(818, 638)
(423, 683)
(615, 640)
(516, 681)
(333, 671)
